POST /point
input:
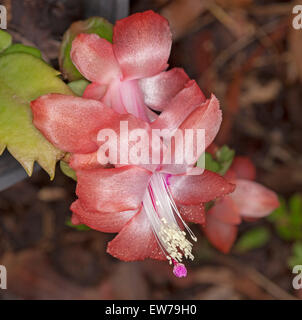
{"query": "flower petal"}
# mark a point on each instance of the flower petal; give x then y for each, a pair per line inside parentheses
(130, 143)
(179, 108)
(126, 97)
(221, 235)
(225, 210)
(152, 115)
(75, 220)
(195, 189)
(71, 123)
(94, 58)
(244, 168)
(95, 91)
(104, 222)
(207, 117)
(195, 214)
(132, 99)
(254, 200)
(84, 161)
(142, 44)
(231, 176)
(160, 89)
(212, 149)
(136, 241)
(112, 190)
(113, 98)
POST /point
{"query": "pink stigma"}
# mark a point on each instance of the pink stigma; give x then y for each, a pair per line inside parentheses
(179, 270)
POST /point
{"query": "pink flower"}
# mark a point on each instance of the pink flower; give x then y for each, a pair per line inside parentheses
(129, 74)
(249, 201)
(146, 205)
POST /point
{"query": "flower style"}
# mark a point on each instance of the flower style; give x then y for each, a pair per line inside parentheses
(129, 74)
(249, 201)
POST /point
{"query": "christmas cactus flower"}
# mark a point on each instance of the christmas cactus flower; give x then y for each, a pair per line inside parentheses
(147, 204)
(147, 208)
(249, 201)
(129, 73)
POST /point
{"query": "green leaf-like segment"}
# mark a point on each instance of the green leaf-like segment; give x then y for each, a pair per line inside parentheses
(296, 256)
(253, 239)
(225, 157)
(78, 86)
(69, 172)
(220, 163)
(24, 78)
(97, 25)
(79, 227)
(21, 48)
(5, 40)
(287, 218)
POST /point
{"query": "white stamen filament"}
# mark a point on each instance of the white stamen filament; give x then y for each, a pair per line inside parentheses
(162, 211)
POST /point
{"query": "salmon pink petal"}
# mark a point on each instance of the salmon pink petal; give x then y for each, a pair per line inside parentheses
(244, 168)
(112, 190)
(207, 117)
(212, 149)
(130, 143)
(142, 44)
(231, 175)
(152, 115)
(195, 189)
(136, 241)
(179, 108)
(84, 161)
(221, 235)
(94, 58)
(225, 210)
(75, 220)
(133, 99)
(113, 98)
(104, 222)
(126, 97)
(254, 200)
(71, 123)
(160, 89)
(195, 214)
(122, 151)
(95, 91)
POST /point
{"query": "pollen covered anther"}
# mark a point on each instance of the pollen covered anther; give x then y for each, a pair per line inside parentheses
(164, 218)
(175, 241)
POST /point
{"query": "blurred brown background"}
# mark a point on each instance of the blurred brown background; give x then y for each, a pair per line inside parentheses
(248, 53)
